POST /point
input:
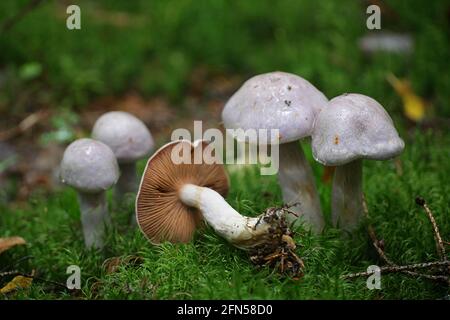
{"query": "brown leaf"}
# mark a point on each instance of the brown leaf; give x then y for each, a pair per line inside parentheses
(8, 243)
(112, 264)
(19, 282)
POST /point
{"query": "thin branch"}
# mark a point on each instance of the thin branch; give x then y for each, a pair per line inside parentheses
(366, 274)
(26, 124)
(440, 244)
(392, 269)
(381, 253)
(407, 269)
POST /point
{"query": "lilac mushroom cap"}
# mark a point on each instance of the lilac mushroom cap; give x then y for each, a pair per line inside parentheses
(275, 100)
(89, 166)
(353, 127)
(289, 104)
(126, 135)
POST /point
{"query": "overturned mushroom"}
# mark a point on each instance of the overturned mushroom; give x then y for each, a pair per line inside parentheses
(289, 103)
(352, 127)
(89, 166)
(174, 197)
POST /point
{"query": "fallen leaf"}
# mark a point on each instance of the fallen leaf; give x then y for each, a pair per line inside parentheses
(7, 243)
(414, 106)
(112, 264)
(19, 282)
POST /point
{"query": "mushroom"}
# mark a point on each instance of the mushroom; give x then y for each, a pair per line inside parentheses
(129, 139)
(90, 167)
(289, 103)
(352, 127)
(174, 198)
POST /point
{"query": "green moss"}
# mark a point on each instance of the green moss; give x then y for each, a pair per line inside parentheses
(209, 268)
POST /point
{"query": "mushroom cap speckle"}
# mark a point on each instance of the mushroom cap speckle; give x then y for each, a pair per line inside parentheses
(126, 135)
(89, 166)
(275, 100)
(354, 126)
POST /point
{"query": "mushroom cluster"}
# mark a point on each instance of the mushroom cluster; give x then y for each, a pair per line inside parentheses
(91, 166)
(174, 199)
(343, 131)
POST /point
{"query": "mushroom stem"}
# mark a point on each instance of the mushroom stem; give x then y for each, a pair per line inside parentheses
(127, 184)
(94, 218)
(243, 232)
(128, 179)
(297, 184)
(347, 198)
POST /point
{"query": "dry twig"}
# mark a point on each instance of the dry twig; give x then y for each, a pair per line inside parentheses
(439, 243)
(379, 248)
(29, 122)
(407, 269)
(395, 268)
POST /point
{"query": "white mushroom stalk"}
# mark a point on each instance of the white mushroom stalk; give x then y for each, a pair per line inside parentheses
(347, 195)
(351, 128)
(243, 232)
(94, 218)
(267, 237)
(297, 183)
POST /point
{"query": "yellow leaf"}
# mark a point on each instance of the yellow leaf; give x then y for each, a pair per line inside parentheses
(19, 282)
(413, 105)
(7, 243)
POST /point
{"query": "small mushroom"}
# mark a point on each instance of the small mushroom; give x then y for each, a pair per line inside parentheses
(174, 198)
(130, 140)
(351, 128)
(90, 167)
(289, 103)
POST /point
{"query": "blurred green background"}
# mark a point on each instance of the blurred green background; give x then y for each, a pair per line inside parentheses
(155, 47)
